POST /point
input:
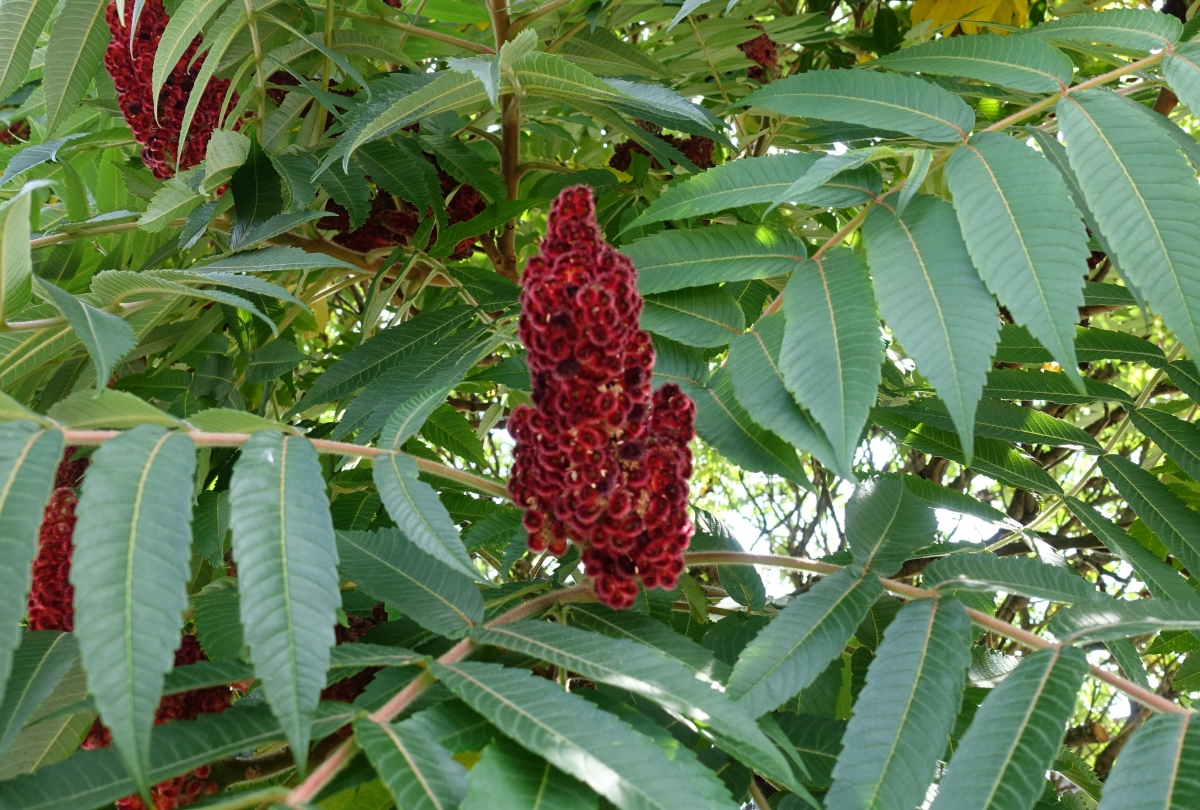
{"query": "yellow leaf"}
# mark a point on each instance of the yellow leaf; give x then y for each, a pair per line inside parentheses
(952, 13)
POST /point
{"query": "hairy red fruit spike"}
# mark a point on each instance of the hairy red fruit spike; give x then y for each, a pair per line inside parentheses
(190, 787)
(131, 74)
(697, 149)
(51, 598)
(764, 52)
(598, 459)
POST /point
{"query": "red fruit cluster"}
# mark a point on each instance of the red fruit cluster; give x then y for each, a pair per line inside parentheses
(697, 149)
(190, 787)
(347, 689)
(51, 597)
(598, 459)
(16, 132)
(131, 73)
(393, 222)
(763, 51)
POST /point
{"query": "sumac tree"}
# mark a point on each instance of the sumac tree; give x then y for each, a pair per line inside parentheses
(570, 404)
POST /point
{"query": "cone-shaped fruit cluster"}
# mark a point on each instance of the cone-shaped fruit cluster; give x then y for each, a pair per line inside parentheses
(131, 68)
(598, 460)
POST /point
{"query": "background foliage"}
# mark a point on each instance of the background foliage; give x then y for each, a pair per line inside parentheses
(930, 272)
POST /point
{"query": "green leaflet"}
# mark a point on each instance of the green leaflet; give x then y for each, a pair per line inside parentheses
(831, 349)
(186, 21)
(1018, 346)
(647, 672)
(636, 627)
(886, 523)
(741, 582)
(21, 23)
(672, 260)
(1024, 234)
(415, 507)
(1180, 440)
(391, 568)
(1001, 420)
(1019, 383)
(96, 778)
(945, 498)
(1021, 63)
(1164, 512)
(16, 264)
(748, 181)
(1136, 182)
(74, 55)
(1162, 580)
(366, 361)
(1156, 770)
(511, 778)
(994, 458)
(107, 337)
(418, 772)
(270, 260)
(601, 52)
(1130, 28)
(1022, 575)
(902, 720)
(406, 420)
(759, 385)
(284, 546)
(37, 668)
(28, 458)
(53, 731)
(120, 410)
(1083, 624)
(880, 100)
(932, 298)
(1001, 762)
(625, 767)
(1182, 69)
(697, 316)
(130, 571)
(791, 651)
(726, 425)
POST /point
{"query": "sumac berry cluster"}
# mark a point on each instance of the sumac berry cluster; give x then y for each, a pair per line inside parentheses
(764, 52)
(131, 69)
(598, 460)
(394, 222)
(51, 597)
(696, 148)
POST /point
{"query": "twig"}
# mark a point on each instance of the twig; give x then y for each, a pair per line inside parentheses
(1023, 637)
(91, 438)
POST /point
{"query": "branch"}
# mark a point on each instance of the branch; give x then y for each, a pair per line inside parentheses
(91, 438)
(1144, 696)
(327, 770)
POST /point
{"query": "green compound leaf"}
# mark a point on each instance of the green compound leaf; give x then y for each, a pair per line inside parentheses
(1001, 762)
(28, 459)
(1136, 182)
(1156, 770)
(391, 568)
(1017, 62)
(645, 671)
(130, 571)
(1083, 624)
(791, 651)
(1024, 234)
(902, 720)
(882, 101)
(622, 765)
(284, 546)
(831, 350)
(933, 300)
